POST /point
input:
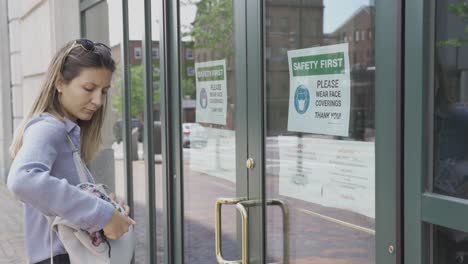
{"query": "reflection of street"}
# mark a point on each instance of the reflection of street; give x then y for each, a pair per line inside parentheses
(119, 153)
(318, 234)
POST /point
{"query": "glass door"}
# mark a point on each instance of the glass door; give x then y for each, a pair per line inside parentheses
(279, 132)
(212, 79)
(320, 131)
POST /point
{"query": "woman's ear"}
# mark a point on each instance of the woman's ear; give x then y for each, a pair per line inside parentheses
(59, 84)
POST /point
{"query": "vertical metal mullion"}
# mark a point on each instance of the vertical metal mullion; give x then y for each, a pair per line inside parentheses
(172, 151)
(165, 136)
(415, 169)
(165, 151)
(82, 23)
(388, 130)
(150, 193)
(241, 110)
(255, 128)
(126, 110)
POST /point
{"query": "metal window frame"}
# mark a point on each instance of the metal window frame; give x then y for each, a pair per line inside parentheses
(256, 108)
(420, 204)
(171, 131)
(150, 177)
(423, 209)
(87, 4)
(389, 141)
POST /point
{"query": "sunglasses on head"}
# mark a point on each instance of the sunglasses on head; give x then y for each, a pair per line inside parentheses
(88, 44)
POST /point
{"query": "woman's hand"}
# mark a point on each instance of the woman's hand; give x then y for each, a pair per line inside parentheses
(121, 203)
(117, 226)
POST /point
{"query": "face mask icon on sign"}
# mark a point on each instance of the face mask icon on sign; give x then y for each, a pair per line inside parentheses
(301, 99)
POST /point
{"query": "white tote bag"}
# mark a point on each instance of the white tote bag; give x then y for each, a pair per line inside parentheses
(78, 243)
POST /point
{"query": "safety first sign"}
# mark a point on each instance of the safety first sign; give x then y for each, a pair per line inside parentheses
(211, 92)
(319, 98)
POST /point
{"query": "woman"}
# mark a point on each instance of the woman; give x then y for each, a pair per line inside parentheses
(71, 103)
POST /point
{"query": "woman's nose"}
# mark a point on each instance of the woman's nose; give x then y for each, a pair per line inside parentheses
(98, 98)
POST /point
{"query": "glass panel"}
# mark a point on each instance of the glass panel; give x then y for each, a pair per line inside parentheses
(451, 98)
(97, 29)
(449, 246)
(136, 30)
(320, 131)
(208, 133)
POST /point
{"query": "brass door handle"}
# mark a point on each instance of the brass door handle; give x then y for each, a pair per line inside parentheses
(284, 209)
(245, 224)
(241, 206)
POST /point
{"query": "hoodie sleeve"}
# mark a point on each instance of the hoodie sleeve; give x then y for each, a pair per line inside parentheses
(30, 179)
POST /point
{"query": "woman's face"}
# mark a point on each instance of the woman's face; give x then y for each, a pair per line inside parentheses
(85, 94)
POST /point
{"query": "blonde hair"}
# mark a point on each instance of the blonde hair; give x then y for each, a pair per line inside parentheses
(66, 65)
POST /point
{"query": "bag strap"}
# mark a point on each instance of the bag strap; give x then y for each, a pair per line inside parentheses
(79, 164)
(81, 169)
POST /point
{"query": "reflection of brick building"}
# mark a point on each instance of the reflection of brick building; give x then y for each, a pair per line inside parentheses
(290, 25)
(358, 32)
(294, 25)
(135, 52)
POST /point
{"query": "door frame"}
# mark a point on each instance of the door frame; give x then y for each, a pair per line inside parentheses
(389, 135)
(388, 122)
(172, 123)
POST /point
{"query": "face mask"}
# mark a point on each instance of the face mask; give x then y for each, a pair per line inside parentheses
(301, 105)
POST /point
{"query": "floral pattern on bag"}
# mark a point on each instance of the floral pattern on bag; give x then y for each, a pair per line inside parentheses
(99, 190)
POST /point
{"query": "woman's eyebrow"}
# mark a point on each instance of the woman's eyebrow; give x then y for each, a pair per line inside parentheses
(95, 85)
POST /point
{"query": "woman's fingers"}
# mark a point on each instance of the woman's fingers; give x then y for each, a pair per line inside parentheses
(130, 221)
(127, 210)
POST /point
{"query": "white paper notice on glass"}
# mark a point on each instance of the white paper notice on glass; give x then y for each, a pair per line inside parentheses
(211, 92)
(319, 97)
(331, 173)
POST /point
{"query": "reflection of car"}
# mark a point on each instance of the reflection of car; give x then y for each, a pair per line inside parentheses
(194, 135)
(118, 131)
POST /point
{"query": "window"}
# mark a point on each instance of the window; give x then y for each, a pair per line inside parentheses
(283, 24)
(189, 54)
(137, 52)
(190, 71)
(156, 71)
(356, 35)
(155, 53)
(363, 35)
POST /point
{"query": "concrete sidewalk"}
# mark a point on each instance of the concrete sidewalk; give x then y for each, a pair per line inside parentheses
(11, 229)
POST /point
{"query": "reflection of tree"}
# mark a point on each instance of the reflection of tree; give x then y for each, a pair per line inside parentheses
(136, 93)
(459, 9)
(213, 26)
(447, 77)
(188, 87)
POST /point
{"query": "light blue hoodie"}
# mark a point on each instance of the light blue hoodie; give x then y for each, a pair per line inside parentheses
(43, 177)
